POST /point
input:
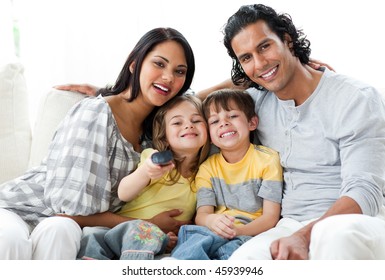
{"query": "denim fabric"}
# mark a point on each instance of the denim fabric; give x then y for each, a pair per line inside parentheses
(131, 240)
(200, 243)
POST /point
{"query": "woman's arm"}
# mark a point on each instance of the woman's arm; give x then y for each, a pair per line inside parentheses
(222, 85)
(165, 220)
(105, 219)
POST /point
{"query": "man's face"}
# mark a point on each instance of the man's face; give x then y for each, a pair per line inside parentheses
(265, 59)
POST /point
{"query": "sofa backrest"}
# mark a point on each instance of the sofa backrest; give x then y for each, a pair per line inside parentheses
(52, 108)
(15, 127)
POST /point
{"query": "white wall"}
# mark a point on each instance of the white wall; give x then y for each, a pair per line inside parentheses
(7, 49)
(77, 41)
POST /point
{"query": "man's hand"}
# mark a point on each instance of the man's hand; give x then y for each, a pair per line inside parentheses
(294, 247)
(86, 89)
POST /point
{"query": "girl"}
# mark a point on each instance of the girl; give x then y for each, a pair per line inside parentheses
(179, 126)
(97, 144)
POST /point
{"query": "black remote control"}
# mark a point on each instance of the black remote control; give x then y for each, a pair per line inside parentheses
(162, 158)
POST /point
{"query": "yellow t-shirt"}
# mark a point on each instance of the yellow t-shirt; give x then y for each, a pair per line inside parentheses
(238, 189)
(158, 197)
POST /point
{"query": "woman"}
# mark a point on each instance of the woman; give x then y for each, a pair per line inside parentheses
(98, 143)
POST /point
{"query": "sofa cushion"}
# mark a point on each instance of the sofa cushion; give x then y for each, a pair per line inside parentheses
(15, 127)
(53, 106)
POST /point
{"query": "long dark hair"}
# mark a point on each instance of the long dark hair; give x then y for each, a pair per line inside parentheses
(280, 24)
(146, 44)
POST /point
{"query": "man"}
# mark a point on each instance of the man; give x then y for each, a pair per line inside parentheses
(329, 130)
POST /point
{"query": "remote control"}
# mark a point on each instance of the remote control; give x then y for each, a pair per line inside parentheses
(162, 158)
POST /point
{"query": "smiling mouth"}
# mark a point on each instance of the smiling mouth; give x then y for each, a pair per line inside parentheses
(162, 88)
(269, 74)
(227, 134)
(190, 135)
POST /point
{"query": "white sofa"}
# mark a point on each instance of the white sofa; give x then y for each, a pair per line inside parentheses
(23, 145)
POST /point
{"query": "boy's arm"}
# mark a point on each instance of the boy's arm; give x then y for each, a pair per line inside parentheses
(268, 219)
(221, 224)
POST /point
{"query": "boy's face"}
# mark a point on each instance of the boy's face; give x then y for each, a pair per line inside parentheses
(230, 130)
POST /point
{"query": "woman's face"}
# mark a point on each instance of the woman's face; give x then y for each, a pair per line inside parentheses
(163, 73)
(186, 129)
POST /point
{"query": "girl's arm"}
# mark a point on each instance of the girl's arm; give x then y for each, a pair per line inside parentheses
(270, 217)
(131, 185)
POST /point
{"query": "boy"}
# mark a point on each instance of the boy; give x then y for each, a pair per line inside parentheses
(239, 188)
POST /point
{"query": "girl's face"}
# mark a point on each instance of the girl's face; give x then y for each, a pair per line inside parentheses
(163, 73)
(186, 129)
(230, 130)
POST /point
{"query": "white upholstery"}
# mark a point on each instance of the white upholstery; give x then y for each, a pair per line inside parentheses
(19, 148)
(15, 130)
(52, 109)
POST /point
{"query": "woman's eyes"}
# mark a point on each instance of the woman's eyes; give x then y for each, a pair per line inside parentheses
(179, 72)
(158, 63)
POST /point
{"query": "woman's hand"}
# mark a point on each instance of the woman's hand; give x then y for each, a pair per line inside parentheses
(86, 89)
(166, 222)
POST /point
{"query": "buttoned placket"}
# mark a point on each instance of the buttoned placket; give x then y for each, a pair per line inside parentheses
(292, 121)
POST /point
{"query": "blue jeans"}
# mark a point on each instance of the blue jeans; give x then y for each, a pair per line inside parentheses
(200, 243)
(131, 240)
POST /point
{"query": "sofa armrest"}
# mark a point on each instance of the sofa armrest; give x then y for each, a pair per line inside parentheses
(53, 107)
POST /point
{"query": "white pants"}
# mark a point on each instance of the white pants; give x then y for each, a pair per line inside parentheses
(55, 238)
(340, 237)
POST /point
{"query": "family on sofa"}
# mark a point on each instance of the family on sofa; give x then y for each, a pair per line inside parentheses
(328, 130)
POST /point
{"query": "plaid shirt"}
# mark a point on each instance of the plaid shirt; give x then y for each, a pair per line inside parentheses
(86, 160)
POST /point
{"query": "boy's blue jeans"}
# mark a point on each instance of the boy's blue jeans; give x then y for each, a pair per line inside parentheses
(131, 240)
(200, 243)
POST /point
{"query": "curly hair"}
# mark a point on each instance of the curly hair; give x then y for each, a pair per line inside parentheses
(280, 24)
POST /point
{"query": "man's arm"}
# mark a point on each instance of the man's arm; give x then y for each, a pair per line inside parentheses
(86, 89)
(362, 151)
(296, 246)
